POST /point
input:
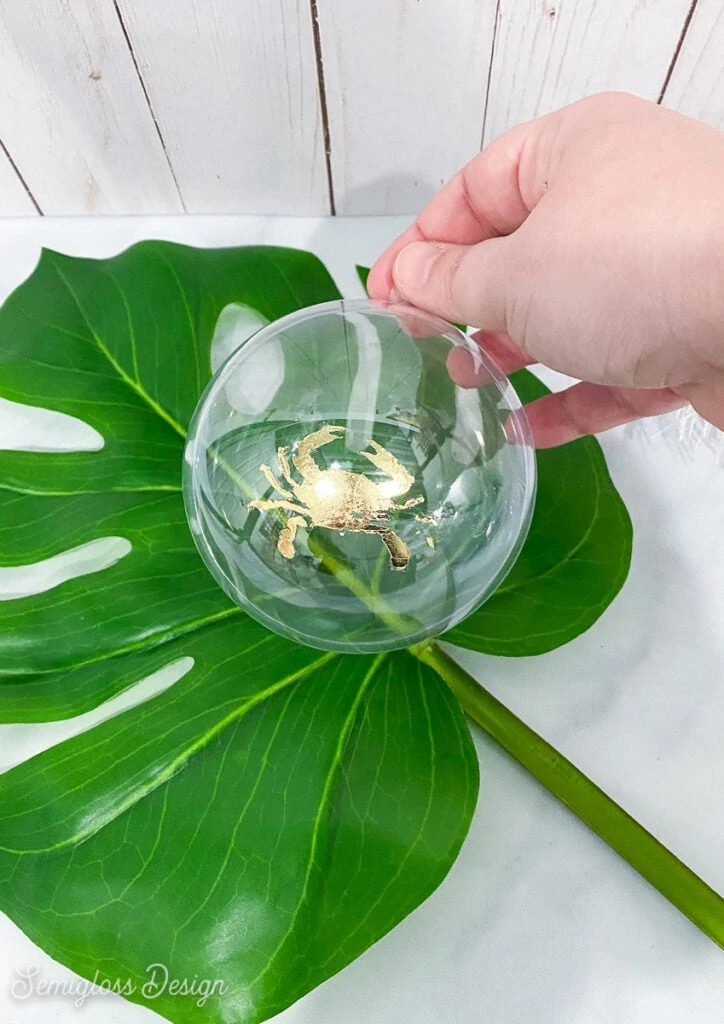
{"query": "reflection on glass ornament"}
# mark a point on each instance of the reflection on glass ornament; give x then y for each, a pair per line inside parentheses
(359, 476)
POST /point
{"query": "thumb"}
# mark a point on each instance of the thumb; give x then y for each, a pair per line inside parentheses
(468, 284)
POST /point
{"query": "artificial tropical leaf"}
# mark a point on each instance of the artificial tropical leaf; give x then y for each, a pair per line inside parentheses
(362, 273)
(573, 563)
(123, 344)
(276, 810)
(322, 768)
(260, 823)
(68, 693)
(158, 590)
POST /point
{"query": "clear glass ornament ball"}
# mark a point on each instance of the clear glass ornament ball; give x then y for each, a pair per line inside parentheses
(359, 476)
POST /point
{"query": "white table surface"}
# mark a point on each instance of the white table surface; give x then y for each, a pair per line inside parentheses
(538, 922)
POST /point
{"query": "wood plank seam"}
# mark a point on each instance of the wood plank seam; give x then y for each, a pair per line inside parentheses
(496, 24)
(677, 49)
(152, 112)
(323, 103)
(20, 178)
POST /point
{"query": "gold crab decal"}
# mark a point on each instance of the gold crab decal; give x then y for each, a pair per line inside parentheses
(337, 499)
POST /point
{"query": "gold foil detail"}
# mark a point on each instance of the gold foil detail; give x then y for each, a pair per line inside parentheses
(430, 542)
(337, 499)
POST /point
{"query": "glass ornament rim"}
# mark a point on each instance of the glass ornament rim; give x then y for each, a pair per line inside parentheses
(523, 433)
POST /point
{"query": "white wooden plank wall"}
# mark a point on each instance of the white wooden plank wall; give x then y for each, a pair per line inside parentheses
(308, 106)
(72, 111)
(405, 85)
(551, 52)
(233, 85)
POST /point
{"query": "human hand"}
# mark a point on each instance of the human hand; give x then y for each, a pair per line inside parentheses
(590, 240)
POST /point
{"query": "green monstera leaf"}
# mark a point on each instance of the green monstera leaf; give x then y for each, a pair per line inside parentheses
(244, 826)
(275, 811)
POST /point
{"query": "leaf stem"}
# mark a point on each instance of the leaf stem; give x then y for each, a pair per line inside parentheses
(373, 601)
(673, 879)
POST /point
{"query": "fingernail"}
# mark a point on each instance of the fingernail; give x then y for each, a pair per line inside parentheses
(413, 265)
(394, 295)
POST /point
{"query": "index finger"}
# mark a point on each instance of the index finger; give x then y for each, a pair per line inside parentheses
(482, 201)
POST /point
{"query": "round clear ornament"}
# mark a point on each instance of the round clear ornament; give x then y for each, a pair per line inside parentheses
(344, 490)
